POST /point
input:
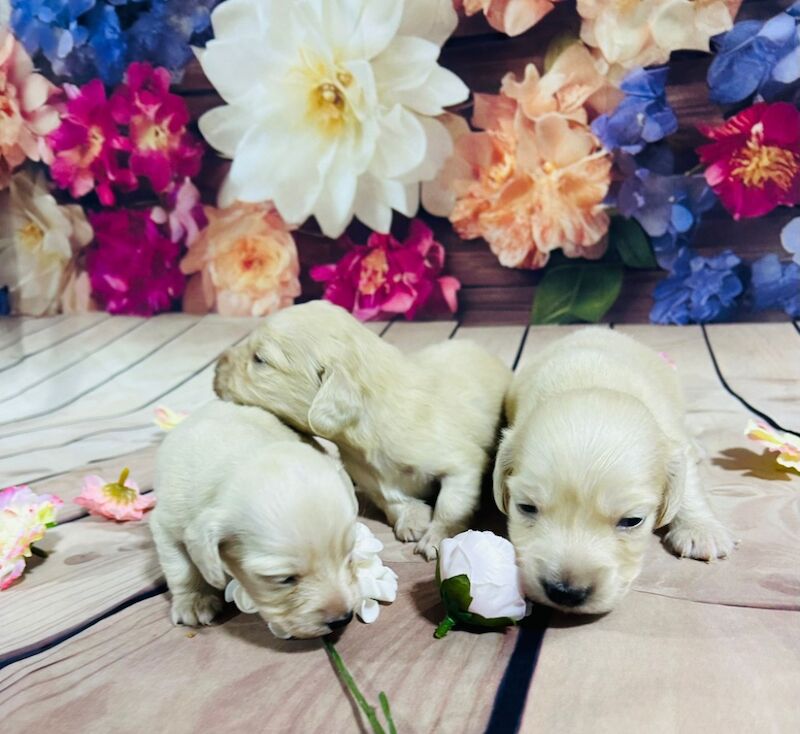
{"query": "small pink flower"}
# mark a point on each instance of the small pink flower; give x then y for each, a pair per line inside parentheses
(185, 216)
(386, 276)
(133, 265)
(161, 148)
(118, 500)
(24, 518)
(166, 418)
(508, 16)
(28, 109)
(88, 147)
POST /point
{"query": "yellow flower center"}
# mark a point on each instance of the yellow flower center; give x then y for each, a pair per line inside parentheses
(91, 150)
(548, 167)
(155, 138)
(758, 164)
(30, 236)
(329, 86)
(373, 272)
(117, 491)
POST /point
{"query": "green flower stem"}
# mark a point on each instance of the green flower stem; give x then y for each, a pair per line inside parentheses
(444, 627)
(344, 674)
(387, 712)
(38, 552)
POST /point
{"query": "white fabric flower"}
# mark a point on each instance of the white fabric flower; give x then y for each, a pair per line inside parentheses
(489, 563)
(331, 105)
(376, 582)
(38, 242)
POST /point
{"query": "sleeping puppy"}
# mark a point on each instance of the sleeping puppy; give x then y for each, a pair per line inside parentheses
(241, 495)
(401, 423)
(596, 456)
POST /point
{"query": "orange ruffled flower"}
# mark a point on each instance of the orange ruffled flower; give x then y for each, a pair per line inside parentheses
(244, 263)
(535, 179)
(511, 17)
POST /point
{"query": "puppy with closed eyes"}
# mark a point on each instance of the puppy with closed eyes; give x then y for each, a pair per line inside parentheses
(241, 495)
(401, 423)
(596, 456)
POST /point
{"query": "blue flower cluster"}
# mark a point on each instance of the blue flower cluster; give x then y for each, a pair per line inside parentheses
(85, 39)
(643, 116)
(776, 285)
(668, 206)
(756, 56)
(698, 289)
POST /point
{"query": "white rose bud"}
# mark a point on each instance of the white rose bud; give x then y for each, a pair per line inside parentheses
(479, 581)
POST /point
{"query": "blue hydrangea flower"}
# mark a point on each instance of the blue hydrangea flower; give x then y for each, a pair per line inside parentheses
(756, 56)
(790, 239)
(81, 39)
(643, 116)
(776, 285)
(668, 207)
(163, 36)
(5, 301)
(698, 289)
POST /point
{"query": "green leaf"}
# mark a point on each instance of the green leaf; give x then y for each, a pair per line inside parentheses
(578, 292)
(455, 594)
(559, 43)
(630, 241)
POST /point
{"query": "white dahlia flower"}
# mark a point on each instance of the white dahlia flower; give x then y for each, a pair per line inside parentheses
(330, 104)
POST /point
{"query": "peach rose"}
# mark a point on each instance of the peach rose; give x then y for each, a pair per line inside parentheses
(535, 178)
(27, 112)
(243, 263)
(634, 33)
(508, 16)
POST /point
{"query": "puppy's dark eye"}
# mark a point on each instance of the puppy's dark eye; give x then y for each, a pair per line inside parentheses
(529, 510)
(288, 581)
(258, 359)
(630, 522)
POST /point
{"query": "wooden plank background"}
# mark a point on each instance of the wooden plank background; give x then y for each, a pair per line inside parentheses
(88, 642)
(491, 293)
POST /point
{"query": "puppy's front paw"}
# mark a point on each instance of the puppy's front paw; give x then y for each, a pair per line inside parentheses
(412, 521)
(195, 608)
(428, 546)
(704, 541)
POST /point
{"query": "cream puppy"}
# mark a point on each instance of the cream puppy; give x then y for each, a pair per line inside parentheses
(241, 495)
(596, 456)
(401, 423)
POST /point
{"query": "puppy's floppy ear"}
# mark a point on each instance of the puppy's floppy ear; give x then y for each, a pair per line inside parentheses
(681, 461)
(336, 405)
(202, 540)
(503, 464)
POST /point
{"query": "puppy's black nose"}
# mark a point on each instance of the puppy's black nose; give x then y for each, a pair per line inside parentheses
(341, 622)
(565, 595)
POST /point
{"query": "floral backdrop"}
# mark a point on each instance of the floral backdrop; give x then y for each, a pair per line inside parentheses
(341, 121)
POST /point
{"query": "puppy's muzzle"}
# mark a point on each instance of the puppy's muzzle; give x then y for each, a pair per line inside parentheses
(336, 624)
(565, 595)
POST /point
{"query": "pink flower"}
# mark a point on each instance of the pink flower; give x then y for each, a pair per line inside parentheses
(88, 147)
(244, 263)
(185, 216)
(133, 265)
(509, 16)
(118, 500)
(754, 161)
(28, 109)
(24, 518)
(389, 277)
(161, 149)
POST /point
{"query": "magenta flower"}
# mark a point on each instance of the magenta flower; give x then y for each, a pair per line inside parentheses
(387, 277)
(133, 265)
(88, 148)
(161, 148)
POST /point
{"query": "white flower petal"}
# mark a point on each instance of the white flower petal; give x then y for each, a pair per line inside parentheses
(438, 148)
(405, 64)
(433, 20)
(333, 209)
(401, 144)
(223, 128)
(368, 611)
(441, 89)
